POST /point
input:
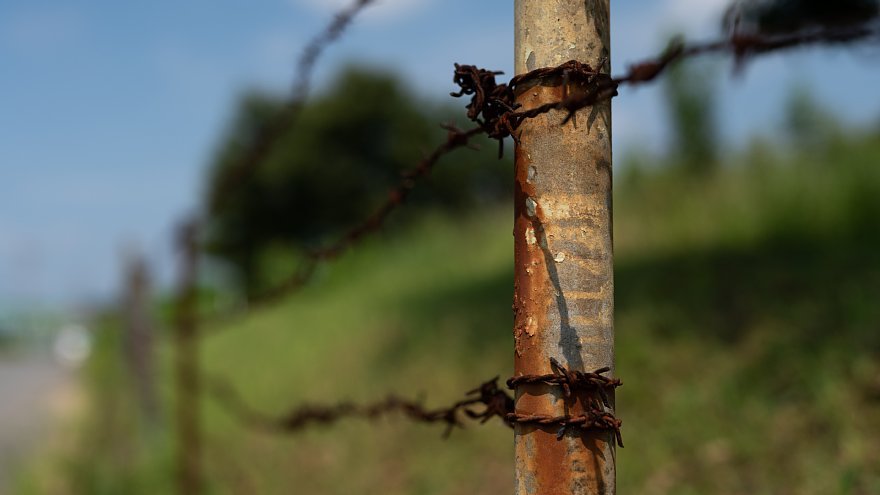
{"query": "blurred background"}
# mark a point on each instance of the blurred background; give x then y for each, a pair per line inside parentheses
(747, 205)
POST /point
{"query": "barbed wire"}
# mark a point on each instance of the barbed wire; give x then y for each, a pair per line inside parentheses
(569, 379)
(494, 108)
(189, 376)
(456, 139)
(596, 419)
(397, 195)
(494, 402)
(313, 50)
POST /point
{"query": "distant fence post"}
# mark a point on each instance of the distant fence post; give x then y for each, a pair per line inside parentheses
(564, 288)
(186, 365)
(138, 338)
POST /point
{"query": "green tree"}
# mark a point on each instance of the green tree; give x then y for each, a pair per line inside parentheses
(690, 102)
(809, 125)
(348, 147)
(785, 16)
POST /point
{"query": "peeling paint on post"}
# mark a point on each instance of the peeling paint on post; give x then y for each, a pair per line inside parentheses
(564, 288)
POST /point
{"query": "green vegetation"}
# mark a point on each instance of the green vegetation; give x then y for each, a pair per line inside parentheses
(747, 339)
(691, 112)
(785, 16)
(346, 149)
(752, 296)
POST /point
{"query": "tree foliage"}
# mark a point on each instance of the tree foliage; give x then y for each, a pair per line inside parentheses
(808, 124)
(690, 101)
(348, 147)
(784, 16)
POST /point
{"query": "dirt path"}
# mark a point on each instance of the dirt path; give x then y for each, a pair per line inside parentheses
(32, 389)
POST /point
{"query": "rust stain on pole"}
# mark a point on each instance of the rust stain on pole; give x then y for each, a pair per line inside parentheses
(564, 289)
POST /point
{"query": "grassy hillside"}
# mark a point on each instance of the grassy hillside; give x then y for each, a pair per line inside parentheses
(748, 340)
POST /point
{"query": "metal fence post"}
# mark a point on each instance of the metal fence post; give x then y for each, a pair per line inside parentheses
(564, 288)
(186, 365)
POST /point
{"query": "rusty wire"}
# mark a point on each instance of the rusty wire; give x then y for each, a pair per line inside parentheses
(297, 280)
(595, 419)
(571, 379)
(742, 46)
(490, 400)
(455, 139)
(488, 97)
(490, 104)
(493, 106)
(494, 109)
(598, 415)
(316, 46)
(494, 401)
(283, 122)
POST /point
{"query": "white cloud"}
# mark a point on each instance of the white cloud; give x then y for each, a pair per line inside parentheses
(378, 11)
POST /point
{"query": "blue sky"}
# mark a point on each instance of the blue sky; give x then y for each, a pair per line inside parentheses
(110, 110)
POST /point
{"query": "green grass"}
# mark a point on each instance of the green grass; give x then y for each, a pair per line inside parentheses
(431, 309)
(753, 296)
(748, 340)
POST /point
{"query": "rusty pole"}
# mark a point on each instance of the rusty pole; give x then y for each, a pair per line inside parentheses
(187, 379)
(564, 287)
